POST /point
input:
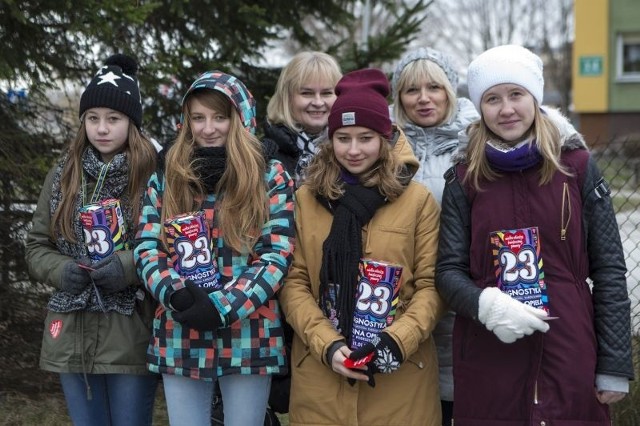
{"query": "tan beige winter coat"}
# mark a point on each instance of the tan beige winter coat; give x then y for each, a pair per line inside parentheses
(403, 232)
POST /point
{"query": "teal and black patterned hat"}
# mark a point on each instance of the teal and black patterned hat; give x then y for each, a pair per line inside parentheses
(232, 88)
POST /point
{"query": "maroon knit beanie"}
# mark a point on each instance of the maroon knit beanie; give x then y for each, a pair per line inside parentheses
(362, 101)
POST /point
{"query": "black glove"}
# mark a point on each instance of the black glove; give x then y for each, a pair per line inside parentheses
(108, 274)
(182, 299)
(387, 356)
(194, 308)
(74, 279)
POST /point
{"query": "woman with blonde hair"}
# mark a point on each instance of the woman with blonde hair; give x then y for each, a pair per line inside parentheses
(298, 111)
(431, 115)
(215, 241)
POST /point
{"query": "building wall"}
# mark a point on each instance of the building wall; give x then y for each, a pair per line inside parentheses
(601, 129)
(625, 18)
(606, 107)
(591, 46)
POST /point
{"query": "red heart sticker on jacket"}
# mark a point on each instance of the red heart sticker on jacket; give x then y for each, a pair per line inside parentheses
(55, 328)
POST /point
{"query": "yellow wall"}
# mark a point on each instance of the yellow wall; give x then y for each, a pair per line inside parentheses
(590, 92)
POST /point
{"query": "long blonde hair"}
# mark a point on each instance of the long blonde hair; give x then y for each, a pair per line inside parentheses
(141, 160)
(303, 67)
(544, 133)
(242, 205)
(323, 174)
(414, 74)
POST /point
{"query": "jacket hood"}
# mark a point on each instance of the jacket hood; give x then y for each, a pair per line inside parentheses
(232, 88)
(403, 150)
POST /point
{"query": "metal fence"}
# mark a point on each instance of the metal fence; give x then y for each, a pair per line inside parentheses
(620, 164)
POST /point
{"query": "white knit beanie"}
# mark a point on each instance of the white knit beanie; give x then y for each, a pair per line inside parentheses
(505, 64)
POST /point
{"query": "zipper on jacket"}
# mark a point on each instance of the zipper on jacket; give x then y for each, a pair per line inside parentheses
(566, 211)
(535, 393)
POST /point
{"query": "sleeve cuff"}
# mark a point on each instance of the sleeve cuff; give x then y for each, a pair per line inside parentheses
(332, 350)
(605, 382)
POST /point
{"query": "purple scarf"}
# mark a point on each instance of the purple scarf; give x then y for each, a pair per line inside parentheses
(512, 159)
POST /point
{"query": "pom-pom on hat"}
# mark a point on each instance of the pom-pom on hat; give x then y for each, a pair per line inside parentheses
(505, 64)
(362, 101)
(115, 86)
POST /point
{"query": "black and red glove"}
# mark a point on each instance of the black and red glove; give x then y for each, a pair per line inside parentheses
(383, 355)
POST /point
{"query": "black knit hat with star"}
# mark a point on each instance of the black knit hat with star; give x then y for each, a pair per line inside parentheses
(115, 86)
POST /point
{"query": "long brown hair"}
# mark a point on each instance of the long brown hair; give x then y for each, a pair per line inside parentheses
(544, 133)
(141, 157)
(323, 174)
(242, 207)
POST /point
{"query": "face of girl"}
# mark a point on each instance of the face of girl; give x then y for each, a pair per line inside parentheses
(508, 110)
(311, 105)
(356, 148)
(210, 128)
(107, 130)
(425, 104)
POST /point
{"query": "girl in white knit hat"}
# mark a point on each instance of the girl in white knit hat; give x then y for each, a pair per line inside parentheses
(526, 220)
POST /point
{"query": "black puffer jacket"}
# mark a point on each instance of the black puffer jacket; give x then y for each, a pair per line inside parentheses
(285, 138)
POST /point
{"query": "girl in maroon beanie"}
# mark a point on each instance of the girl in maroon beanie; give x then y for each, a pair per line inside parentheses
(360, 294)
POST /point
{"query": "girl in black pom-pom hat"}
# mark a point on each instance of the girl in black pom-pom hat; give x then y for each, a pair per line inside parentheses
(99, 317)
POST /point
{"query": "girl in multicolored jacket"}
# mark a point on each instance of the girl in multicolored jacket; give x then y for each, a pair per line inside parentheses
(218, 317)
(99, 318)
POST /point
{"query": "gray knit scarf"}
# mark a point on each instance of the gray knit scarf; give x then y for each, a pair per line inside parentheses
(115, 186)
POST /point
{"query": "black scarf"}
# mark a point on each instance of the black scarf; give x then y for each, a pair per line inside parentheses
(209, 165)
(342, 250)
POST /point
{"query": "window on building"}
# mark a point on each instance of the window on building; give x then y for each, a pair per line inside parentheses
(628, 57)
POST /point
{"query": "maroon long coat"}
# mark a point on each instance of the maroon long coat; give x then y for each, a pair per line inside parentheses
(543, 379)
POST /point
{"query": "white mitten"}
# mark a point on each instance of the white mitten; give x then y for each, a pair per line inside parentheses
(508, 318)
